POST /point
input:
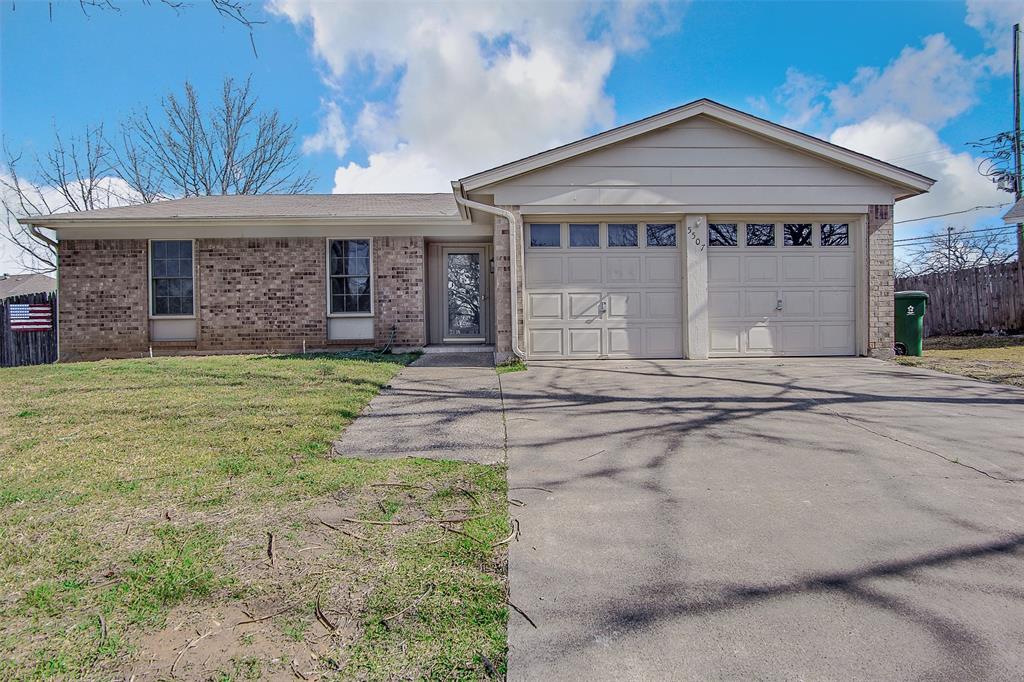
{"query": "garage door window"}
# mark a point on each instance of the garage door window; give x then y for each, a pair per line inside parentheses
(760, 234)
(661, 235)
(796, 234)
(722, 234)
(543, 235)
(584, 236)
(621, 235)
(835, 234)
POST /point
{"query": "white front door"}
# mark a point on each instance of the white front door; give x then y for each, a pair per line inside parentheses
(603, 289)
(781, 287)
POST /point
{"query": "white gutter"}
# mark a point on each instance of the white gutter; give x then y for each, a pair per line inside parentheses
(513, 250)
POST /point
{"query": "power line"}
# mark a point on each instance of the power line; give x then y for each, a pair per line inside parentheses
(1002, 228)
(943, 215)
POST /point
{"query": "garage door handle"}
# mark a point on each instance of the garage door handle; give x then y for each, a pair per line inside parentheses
(601, 308)
(778, 306)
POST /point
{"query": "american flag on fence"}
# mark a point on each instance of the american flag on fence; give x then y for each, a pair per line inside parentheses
(31, 317)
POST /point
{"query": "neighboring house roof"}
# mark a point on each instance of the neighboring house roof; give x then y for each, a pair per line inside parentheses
(912, 183)
(16, 285)
(1016, 213)
(271, 206)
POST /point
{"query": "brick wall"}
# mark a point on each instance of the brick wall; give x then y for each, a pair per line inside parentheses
(880, 281)
(104, 298)
(262, 294)
(503, 286)
(399, 291)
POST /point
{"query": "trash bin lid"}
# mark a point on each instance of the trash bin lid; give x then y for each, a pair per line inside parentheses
(912, 294)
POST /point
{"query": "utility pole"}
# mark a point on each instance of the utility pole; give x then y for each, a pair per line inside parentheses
(1016, 140)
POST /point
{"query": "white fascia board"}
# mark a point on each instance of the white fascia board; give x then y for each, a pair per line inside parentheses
(56, 223)
(913, 182)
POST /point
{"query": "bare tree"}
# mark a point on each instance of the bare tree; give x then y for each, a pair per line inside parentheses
(182, 150)
(75, 175)
(955, 249)
(185, 150)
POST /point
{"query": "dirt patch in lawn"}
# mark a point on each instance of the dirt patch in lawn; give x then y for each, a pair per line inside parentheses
(999, 359)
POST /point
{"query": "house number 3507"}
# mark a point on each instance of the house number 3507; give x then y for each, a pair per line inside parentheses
(695, 237)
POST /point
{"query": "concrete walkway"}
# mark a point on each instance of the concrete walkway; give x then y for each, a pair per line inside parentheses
(443, 406)
(840, 519)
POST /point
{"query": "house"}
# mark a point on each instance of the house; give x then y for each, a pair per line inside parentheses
(17, 285)
(700, 231)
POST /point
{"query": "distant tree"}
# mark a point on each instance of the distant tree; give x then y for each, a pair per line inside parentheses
(74, 175)
(185, 150)
(956, 249)
(181, 150)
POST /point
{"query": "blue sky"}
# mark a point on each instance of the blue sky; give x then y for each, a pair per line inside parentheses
(406, 96)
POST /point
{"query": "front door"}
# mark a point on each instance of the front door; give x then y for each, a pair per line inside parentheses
(465, 281)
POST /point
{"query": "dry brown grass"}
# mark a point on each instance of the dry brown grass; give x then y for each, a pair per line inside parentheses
(998, 359)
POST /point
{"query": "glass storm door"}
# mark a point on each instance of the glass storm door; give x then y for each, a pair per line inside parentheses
(464, 300)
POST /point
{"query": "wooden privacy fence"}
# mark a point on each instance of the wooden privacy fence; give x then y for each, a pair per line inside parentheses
(27, 347)
(987, 299)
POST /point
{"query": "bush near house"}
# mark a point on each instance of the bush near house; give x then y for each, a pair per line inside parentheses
(184, 517)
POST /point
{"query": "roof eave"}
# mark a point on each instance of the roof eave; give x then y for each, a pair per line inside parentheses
(57, 222)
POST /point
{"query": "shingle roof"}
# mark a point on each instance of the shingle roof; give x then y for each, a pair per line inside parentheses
(277, 206)
(16, 285)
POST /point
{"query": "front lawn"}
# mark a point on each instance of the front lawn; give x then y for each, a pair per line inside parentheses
(989, 358)
(184, 517)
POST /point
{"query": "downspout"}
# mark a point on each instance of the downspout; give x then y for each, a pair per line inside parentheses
(513, 250)
(34, 231)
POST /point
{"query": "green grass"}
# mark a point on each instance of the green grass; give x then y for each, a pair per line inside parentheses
(513, 365)
(135, 501)
(998, 359)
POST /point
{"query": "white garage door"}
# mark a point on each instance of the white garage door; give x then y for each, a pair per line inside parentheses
(781, 288)
(608, 289)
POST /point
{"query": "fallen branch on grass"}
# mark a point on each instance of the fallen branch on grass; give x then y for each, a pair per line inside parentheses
(349, 533)
(270, 548)
(382, 523)
(187, 647)
(414, 602)
(263, 618)
(401, 485)
(463, 534)
(322, 617)
(531, 487)
(514, 535)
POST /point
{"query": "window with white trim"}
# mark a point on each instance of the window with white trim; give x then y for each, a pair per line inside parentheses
(349, 273)
(171, 280)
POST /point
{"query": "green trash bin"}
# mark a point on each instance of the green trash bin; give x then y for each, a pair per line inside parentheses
(910, 307)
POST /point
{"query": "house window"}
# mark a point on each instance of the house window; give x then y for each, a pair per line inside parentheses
(545, 235)
(722, 234)
(835, 234)
(661, 235)
(170, 269)
(796, 234)
(622, 235)
(350, 276)
(583, 236)
(760, 234)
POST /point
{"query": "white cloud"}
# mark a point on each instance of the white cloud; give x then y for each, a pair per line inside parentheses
(915, 146)
(802, 97)
(932, 84)
(475, 84)
(994, 20)
(331, 135)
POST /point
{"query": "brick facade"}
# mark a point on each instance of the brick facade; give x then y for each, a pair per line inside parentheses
(503, 288)
(879, 279)
(252, 295)
(262, 294)
(104, 298)
(399, 266)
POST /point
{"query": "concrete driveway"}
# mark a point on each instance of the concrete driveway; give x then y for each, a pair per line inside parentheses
(793, 519)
